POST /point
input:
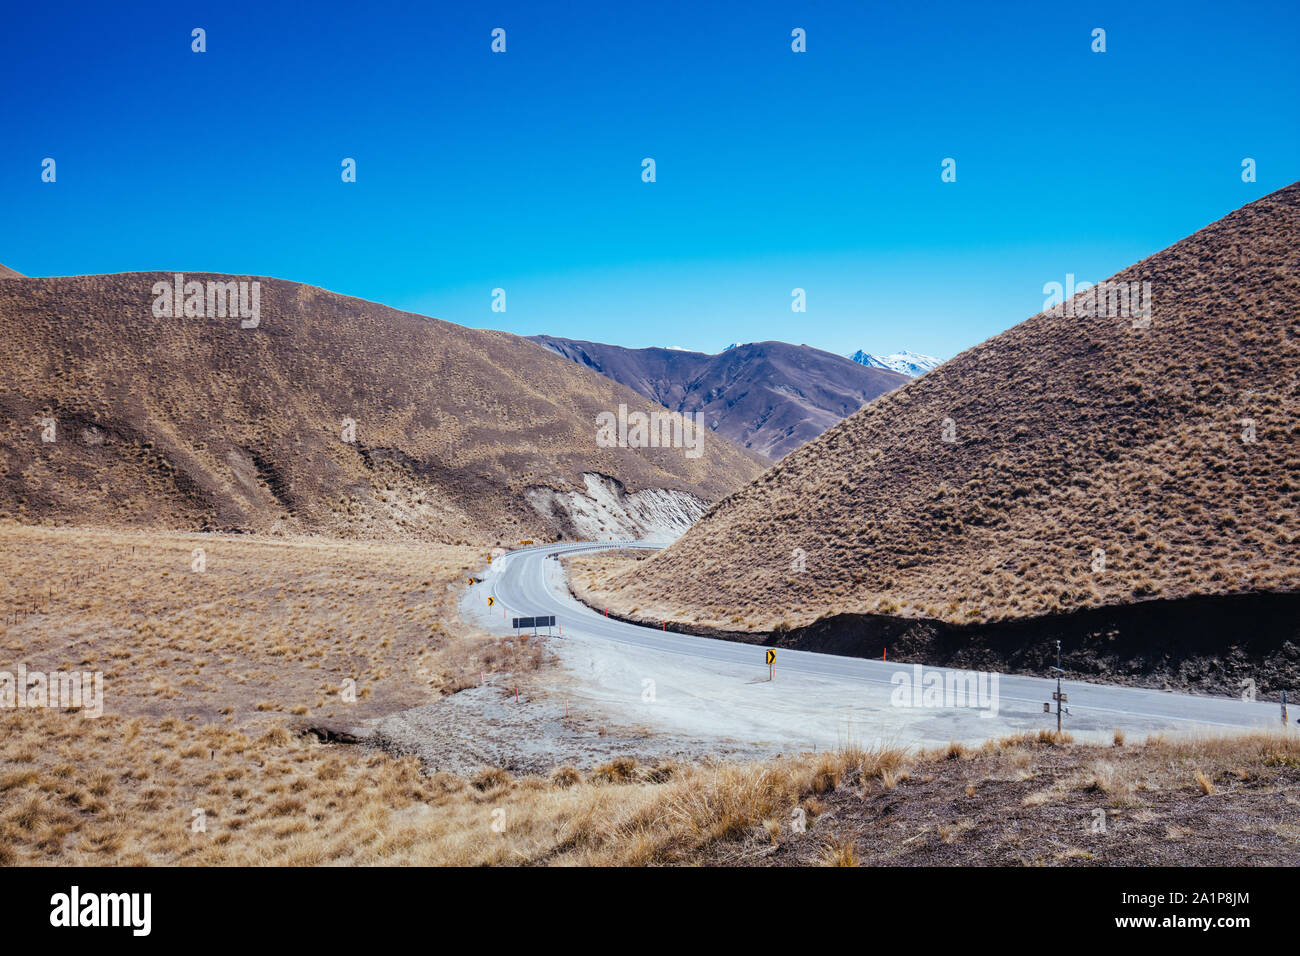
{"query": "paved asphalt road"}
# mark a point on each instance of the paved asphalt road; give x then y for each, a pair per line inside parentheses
(527, 582)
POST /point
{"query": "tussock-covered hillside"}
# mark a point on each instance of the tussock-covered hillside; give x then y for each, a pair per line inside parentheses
(1092, 460)
(202, 423)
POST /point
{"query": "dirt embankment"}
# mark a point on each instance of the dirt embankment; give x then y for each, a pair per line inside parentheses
(1207, 644)
(1210, 644)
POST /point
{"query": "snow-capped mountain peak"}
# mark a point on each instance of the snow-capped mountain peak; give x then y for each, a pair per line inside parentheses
(909, 363)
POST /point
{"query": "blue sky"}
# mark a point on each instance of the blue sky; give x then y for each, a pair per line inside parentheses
(522, 170)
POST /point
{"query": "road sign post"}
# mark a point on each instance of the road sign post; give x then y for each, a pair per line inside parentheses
(546, 621)
(1058, 696)
(771, 664)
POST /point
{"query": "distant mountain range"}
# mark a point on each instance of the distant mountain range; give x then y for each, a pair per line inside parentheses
(769, 397)
(911, 364)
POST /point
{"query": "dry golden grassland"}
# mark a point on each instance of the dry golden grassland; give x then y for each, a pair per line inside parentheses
(214, 664)
(268, 627)
(207, 674)
(125, 792)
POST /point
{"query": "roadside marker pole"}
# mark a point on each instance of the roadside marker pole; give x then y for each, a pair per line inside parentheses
(1283, 708)
(1058, 696)
(1058, 703)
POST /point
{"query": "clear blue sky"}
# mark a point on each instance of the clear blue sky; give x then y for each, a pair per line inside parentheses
(476, 170)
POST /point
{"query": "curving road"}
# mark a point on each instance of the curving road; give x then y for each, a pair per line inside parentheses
(712, 688)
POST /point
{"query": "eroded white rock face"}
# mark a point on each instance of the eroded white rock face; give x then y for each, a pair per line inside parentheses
(606, 510)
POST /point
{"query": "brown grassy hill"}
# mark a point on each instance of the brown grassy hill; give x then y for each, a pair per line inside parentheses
(770, 397)
(198, 423)
(7, 273)
(1074, 436)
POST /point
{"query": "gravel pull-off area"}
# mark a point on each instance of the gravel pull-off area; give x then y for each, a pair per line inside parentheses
(485, 727)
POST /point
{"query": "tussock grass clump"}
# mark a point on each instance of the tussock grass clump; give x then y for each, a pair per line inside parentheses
(564, 777)
(660, 772)
(1204, 782)
(827, 776)
(491, 778)
(956, 751)
(1116, 783)
(1029, 741)
(619, 770)
(859, 763)
(840, 853)
(277, 736)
